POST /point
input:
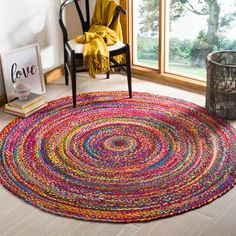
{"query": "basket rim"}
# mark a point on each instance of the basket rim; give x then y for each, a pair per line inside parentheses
(220, 52)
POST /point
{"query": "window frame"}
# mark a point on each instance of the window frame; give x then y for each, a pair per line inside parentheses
(159, 74)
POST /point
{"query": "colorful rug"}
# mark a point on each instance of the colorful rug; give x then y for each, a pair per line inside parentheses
(116, 159)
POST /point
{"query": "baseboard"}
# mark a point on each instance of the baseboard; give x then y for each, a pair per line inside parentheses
(3, 100)
(54, 74)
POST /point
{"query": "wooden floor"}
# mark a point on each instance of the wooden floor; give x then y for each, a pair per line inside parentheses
(19, 218)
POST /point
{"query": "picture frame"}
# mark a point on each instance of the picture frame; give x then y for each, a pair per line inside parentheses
(23, 65)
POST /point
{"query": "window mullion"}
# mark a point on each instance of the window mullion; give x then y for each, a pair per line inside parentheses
(162, 36)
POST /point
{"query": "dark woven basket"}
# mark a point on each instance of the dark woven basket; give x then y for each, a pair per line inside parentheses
(221, 84)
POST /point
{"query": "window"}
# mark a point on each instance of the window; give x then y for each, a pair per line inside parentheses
(145, 28)
(191, 30)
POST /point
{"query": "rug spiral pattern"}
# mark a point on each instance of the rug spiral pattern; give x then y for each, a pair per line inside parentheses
(116, 159)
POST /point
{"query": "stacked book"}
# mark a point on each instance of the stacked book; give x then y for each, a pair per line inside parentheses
(25, 107)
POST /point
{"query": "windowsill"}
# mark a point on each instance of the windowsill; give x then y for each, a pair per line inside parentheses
(170, 79)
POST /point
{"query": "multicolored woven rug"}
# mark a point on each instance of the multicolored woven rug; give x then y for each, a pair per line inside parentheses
(116, 159)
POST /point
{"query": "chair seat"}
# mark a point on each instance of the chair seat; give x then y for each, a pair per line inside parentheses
(79, 48)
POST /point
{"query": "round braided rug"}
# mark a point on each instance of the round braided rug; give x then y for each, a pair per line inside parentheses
(116, 159)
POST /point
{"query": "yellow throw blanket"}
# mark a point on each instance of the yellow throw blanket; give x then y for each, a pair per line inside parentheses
(99, 36)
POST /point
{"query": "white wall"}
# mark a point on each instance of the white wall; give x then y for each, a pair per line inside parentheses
(23, 22)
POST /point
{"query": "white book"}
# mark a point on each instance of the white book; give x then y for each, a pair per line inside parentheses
(33, 97)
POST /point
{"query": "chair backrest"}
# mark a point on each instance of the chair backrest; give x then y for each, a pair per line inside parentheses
(85, 20)
(117, 13)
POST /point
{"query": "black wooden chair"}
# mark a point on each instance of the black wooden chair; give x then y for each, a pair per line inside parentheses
(73, 52)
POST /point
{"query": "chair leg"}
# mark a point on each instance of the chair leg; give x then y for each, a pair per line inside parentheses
(73, 77)
(65, 67)
(108, 74)
(128, 66)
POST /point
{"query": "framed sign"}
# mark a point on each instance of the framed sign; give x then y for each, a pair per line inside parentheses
(23, 65)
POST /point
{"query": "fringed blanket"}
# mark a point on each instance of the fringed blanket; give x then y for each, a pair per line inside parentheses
(99, 36)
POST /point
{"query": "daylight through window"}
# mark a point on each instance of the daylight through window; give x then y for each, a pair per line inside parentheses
(192, 30)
